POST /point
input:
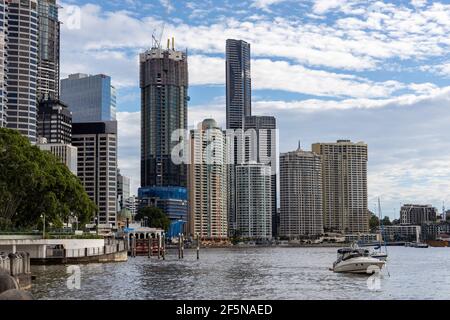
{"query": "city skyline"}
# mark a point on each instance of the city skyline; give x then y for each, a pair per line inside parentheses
(375, 93)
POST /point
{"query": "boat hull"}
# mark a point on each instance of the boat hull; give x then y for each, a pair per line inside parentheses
(360, 265)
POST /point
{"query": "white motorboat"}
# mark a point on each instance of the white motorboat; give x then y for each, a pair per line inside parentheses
(351, 260)
(379, 255)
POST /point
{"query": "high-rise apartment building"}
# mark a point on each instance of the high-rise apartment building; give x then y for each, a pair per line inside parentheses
(265, 151)
(208, 182)
(238, 83)
(416, 214)
(97, 165)
(22, 67)
(49, 40)
(300, 194)
(91, 98)
(253, 201)
(344, 186)
(3, 62)
(54, 122)
(164, 98)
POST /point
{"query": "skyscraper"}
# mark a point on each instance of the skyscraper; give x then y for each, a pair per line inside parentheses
(3, 55)
(266, 153)
(97, 165)
(49, 39)
(344, 185)
(22, 52)
(300, 194)
(253, 201)
(164, 98)
(238, 83)
(90, 98)
(238, 105)
(54, 122)
(123, 190)
(208, 183)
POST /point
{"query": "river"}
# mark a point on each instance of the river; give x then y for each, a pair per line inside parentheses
(250, 273)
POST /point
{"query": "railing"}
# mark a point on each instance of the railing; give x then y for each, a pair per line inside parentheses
(112, 246)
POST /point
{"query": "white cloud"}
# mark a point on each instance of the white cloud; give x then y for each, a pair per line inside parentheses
(265, 4)
(167, 5)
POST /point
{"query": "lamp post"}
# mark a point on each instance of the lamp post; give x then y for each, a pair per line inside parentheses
(43, 226)
(96, 225)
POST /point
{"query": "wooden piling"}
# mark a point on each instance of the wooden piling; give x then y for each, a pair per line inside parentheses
(159, 246)
(182, 246)
(179, 246)
(164, 247)
(150, 246)
(198, 246)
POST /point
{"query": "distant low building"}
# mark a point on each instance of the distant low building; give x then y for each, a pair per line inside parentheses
(433, 231)
(417, 214)
(407, 233)
(171, 200)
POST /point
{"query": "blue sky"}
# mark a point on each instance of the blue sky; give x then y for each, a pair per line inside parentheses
(373, 71)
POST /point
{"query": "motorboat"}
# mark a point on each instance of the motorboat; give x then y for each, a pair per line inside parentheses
(351, 260)
(379, 255)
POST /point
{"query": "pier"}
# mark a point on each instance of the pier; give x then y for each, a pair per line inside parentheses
(17, 265)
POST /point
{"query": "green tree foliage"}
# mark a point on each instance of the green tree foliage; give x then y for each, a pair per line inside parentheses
(33, 183)
(156, 217)
(374, 222)
(386, 221)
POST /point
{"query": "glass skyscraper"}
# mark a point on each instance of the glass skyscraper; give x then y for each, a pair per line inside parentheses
(48, 64)
(238, 95)
(90, 98)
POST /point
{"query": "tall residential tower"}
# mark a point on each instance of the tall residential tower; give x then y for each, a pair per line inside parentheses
(22, 68)
(344, 185)
(238, 85)
(300, 194)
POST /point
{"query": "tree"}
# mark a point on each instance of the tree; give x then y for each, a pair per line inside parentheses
(374, 222)
(34, 183)
(386, 221)
(156, 217)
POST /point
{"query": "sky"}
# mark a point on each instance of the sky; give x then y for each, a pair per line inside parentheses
(372, 71)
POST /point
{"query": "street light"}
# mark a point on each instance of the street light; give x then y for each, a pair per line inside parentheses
(43, 228)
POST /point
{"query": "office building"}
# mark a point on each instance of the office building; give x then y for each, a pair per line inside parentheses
(344, 186)
(238, 83)
(417, 214)
(22, 67)
(164, 98)
(54, 122)
(65, 153)
(300, 195)
(253, 202)
(123, 190)
(208, 183)
(49, 42)
(97, 165)
(264, 150)
(91, 98)
(131, 204)
(173, 201)
(3, 62)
